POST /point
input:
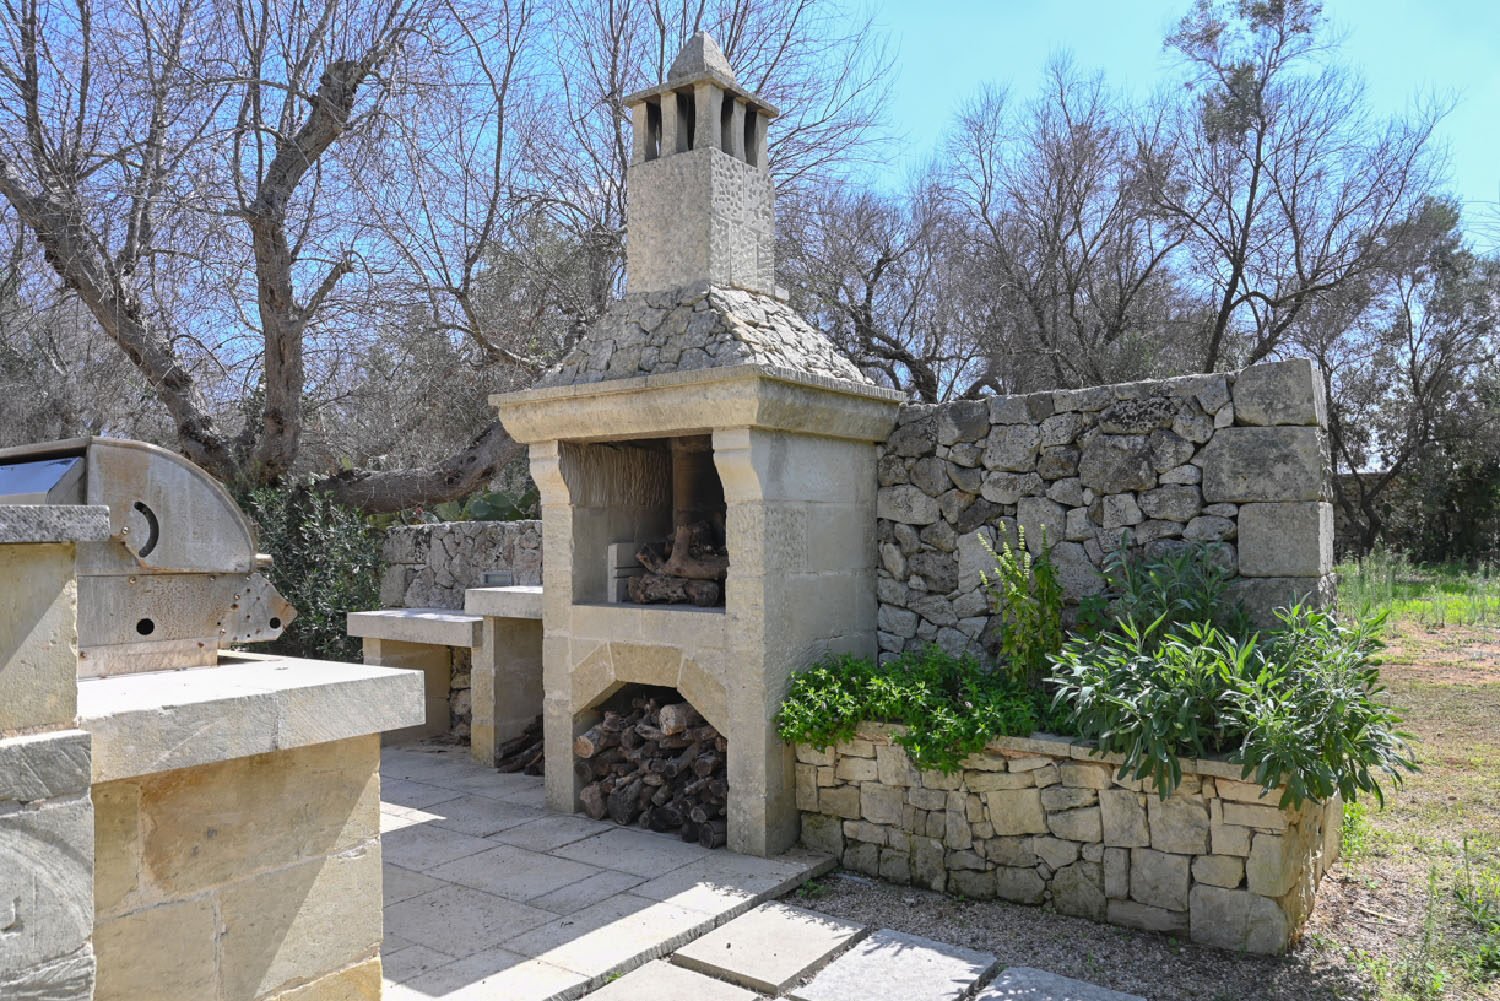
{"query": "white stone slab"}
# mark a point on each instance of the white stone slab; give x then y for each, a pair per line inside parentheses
(492, 975)
(31, 523)
(770, 947)
(160, 720)
(1021, 983)
(890, 965)
(514, 873)
(522, 601)
(611, 937)
(661, 981)
(435, 626)
(461, 921)
(644, 853)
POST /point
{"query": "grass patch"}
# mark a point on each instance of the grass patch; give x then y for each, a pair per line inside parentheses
(1414, 903)
(1424, 596)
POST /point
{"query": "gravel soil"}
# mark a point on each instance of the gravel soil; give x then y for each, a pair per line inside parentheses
(1156, 967)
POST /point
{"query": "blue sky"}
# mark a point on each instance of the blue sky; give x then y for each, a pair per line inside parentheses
(946, 49)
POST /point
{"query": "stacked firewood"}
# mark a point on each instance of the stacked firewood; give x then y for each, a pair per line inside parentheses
(522, 753)
(658, 766)
(690, 569)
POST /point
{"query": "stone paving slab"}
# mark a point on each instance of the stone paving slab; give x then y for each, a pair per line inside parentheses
(514, 873)
(661, 981)
(494, 975)
(526, 905)
(770, 947)
(889, 965)
(1021, 983)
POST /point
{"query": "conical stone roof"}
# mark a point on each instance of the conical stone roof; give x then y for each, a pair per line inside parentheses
(707, 327)
(701, 55)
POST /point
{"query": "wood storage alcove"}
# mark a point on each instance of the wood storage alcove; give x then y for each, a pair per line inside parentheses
(653, 761)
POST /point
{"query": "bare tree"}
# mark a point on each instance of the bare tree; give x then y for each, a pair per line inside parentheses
(1079, 262)
(1278, 172)
(891, 280)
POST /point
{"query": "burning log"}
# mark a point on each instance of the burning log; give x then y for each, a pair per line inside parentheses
(657, 767)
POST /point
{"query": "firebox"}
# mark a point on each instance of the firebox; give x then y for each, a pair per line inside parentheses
(660, 505)
(701, 432)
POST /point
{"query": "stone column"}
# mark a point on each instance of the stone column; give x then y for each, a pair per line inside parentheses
(671, 127)
(755, 153)
(737, 130)
(641, 131)
(436, 664)
(708, 98)
(507, 683)
(46, 812)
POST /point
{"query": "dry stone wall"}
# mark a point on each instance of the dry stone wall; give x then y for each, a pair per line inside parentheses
(1044, 820)
(430, 566)
(1238, 459)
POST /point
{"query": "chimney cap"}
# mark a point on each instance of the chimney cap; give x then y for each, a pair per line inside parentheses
(699, 60)
(700, 55)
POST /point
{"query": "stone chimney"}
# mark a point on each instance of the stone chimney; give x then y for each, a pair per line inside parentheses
(701, 205)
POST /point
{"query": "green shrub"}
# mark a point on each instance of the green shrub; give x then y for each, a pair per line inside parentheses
(1187, 584)
(951, 707)
(1300, 705)
(1028, 600)
(325, 561)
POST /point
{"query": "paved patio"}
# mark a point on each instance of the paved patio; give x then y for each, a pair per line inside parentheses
(488, 895)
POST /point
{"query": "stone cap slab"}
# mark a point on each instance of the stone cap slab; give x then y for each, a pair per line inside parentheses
(520, 601)
(436, 626)
(1022, 983)
(248, 704)
(28, 523)
(698, 401)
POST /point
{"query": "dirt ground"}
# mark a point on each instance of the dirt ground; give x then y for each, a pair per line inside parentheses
(1386, 926)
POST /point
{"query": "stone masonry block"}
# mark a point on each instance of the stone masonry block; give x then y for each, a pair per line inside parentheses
(1159, 879)
(185, 972)
(1124, 818)
(1016, 811)
(1178, 824)
(46, 883)
(44, 765)
(881, 804)
(1286, 540)
(1265, 464)
(1286, 392)
(1238, 920)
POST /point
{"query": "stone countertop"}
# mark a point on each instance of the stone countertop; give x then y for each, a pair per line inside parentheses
(248, 704)
(27, 523)
(436, 626)
(517, 602)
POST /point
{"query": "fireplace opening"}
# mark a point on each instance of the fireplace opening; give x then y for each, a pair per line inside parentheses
(653, 761)
(651, 512)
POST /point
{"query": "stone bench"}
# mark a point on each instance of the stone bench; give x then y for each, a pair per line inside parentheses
(507, 671)
(418, 639)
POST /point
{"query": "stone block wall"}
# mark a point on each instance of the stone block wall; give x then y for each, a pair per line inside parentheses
(273, 892)
(1044, 820)
(430, 566)
(1240, 459)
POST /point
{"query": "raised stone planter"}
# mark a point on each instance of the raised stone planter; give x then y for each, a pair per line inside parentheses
(1044, 820)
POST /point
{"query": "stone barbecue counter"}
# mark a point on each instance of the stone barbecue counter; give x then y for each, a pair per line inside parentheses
(249, 704)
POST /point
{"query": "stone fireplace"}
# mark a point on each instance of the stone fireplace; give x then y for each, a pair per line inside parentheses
(701, 397)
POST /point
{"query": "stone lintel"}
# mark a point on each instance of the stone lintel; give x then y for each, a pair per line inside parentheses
(517, 602)
(439, 626)
(32, 523)
(159, 721)
(762, 107)
(698, 401)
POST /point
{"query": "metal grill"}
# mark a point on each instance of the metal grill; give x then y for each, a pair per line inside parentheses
(178, 580)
